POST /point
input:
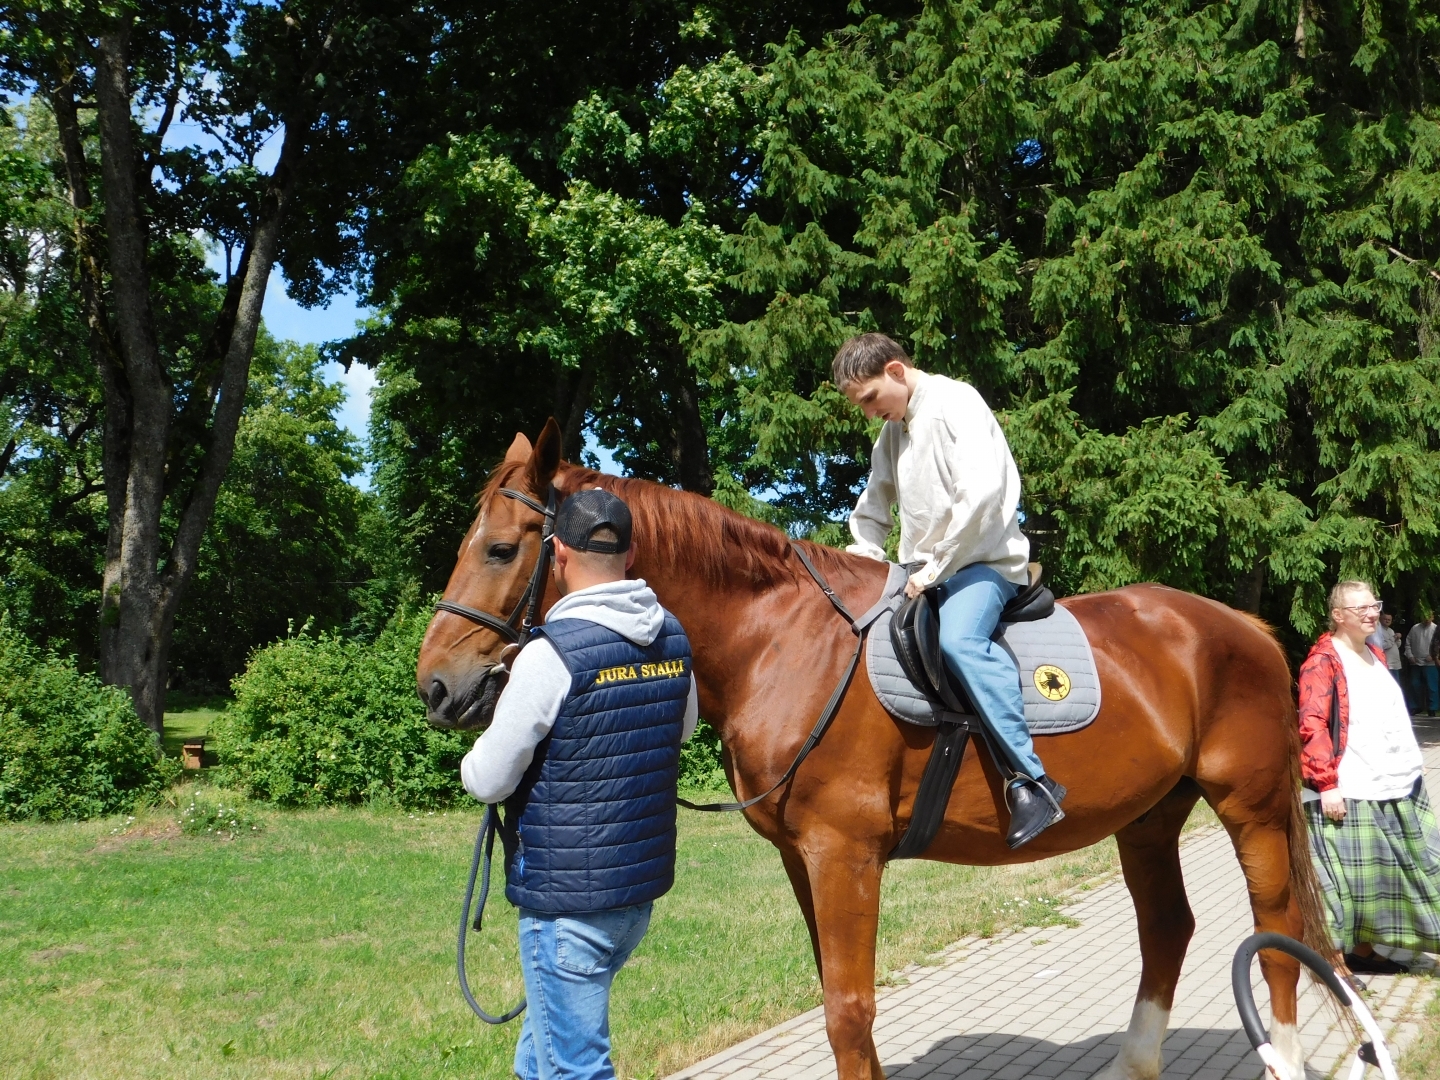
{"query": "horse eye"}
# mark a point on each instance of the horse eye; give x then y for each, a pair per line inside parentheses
(502, 552)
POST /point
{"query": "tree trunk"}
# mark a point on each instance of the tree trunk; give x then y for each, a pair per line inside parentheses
(573, 392)
(132, 637)
(692, 457)
(1250, 587)
(142, 584)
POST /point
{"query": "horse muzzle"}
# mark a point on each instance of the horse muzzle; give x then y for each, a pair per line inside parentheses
(465, 706)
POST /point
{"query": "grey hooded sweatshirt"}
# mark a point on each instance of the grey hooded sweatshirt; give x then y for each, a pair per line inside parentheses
(540, 681)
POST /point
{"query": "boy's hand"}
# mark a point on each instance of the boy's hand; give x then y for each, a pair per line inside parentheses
(912, 590)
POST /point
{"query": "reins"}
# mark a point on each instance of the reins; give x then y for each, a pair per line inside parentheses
(484, 845)
(515, 630)
(858, 627)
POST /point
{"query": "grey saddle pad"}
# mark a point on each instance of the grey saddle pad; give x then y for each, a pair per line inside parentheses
(1053, 655)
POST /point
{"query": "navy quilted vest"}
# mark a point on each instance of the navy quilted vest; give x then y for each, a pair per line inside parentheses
(596, 808)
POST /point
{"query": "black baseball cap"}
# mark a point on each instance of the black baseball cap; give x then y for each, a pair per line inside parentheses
(585, 513)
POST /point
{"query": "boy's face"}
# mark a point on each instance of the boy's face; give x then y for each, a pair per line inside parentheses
(887, 395)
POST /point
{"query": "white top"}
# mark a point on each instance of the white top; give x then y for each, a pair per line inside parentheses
(1417, 644)
(1381, 759)
(949, 469)
(539, 683)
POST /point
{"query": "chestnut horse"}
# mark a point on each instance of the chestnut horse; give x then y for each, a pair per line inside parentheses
(1196, 704)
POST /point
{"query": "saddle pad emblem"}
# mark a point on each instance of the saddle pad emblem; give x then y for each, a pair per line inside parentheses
(1052, 682)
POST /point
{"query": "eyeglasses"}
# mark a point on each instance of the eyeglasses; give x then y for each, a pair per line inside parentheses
(1366, 609)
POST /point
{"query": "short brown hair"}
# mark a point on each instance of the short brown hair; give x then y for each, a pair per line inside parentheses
(864, 357)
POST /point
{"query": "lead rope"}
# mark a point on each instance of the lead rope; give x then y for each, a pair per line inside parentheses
(484, 845)
(826, 714)
(485, 838)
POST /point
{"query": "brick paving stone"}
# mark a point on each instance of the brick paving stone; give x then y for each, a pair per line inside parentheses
(1005, 1008)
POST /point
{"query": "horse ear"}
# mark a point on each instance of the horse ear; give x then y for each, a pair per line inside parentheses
(546, 459)
(520, 449)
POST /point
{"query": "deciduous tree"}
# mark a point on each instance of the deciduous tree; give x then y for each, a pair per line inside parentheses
(117, 78)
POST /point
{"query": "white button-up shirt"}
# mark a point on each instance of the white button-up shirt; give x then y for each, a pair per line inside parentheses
(949, 469)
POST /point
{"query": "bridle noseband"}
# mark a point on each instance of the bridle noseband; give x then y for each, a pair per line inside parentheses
(516, 628)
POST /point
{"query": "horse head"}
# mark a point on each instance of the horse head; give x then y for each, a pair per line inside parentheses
(462, 659)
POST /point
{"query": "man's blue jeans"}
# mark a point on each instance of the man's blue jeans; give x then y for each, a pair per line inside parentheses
(970, 605)
(569, 962)
(1427, 688)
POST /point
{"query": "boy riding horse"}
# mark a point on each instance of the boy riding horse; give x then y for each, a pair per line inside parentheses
(943, 460)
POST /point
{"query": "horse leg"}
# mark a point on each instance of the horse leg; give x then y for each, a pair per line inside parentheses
(1264, 852)
(845, 887)
(1150, 859)
(800, 884)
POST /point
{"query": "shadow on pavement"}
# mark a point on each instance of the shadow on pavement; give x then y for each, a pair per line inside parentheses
(1190, 1054)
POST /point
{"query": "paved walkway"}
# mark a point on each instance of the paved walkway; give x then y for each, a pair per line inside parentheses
(1053, 1002)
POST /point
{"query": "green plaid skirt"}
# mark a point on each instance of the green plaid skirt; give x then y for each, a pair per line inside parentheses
(1380, 868)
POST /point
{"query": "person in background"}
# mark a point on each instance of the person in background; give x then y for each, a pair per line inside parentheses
(1388, 642)
(1372, 831)
(1419, 650)
(584, 751)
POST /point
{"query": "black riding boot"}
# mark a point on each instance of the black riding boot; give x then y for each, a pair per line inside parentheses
(1034, 807)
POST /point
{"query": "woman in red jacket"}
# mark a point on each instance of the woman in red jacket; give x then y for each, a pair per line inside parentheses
(1372, 830)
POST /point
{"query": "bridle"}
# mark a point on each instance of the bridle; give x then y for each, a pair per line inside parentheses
(516, 628)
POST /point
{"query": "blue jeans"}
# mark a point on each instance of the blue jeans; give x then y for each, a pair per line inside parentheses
(970, 605)
(1427, 687)
(569, 962)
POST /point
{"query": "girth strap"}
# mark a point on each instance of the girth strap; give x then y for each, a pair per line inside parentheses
(858, 628)
(928, 813)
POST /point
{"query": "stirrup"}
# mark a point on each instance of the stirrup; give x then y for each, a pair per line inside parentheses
(1041, 813)
(1054, 792)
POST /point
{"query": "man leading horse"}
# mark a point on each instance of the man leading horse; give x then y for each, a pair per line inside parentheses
(943, 460)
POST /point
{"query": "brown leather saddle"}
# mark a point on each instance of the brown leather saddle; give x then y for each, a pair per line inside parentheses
(915, 633)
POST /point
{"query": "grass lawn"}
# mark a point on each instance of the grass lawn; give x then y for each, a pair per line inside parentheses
(323, 945)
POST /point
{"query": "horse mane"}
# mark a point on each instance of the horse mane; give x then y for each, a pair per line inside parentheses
(718, 545)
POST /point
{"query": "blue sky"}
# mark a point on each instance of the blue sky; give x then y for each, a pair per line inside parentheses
(288, 320)
(284, 317)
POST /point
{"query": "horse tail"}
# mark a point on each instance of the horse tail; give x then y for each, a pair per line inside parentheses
(1305, 886)
(1304, 878)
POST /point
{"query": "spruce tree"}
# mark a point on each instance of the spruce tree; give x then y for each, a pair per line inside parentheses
(1185, 249)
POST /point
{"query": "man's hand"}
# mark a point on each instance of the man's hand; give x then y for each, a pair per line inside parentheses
(1332, 804)
(912, 590)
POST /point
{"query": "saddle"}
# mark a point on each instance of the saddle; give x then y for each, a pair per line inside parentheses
(915, 636)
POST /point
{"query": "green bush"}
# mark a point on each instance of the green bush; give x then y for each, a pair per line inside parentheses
(700, 768)
(70, 747)
(324, 719)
